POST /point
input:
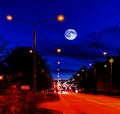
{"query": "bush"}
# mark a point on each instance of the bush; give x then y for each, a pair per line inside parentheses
(18, 102)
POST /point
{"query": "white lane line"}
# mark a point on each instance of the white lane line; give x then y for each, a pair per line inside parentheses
(111, 105)
(94, 101)
(89, 99)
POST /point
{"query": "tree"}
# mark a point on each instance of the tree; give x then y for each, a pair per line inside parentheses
(44, 78)
(3, 47)
(3, 52)
(20, 67)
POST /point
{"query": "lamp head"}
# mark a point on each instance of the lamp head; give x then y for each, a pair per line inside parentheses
(9, 17)
(59, 50)
(60, 17)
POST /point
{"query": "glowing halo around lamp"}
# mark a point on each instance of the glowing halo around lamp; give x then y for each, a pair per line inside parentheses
(70, 34)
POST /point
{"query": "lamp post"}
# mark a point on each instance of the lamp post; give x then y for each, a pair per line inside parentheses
(60, 18)
(105, 66)
(105, 76)
(111, 62)
(95, 81)
(58, 76)
(2, 82)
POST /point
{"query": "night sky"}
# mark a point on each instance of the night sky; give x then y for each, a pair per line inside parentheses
(97, 23)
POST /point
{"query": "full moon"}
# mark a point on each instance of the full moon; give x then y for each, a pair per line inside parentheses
(70, 34)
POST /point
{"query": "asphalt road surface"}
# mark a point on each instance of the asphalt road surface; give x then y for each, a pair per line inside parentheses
(80, 103)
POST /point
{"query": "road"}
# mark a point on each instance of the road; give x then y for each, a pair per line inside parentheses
(83, 104)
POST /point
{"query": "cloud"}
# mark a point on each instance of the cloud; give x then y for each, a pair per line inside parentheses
(106, 39)
(104, 36)
(97, 45)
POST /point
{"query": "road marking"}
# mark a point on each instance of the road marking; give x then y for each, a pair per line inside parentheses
(109, 104)
(94, 101)
(89, 99)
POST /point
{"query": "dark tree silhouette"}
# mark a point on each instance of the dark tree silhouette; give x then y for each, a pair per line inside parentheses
(20, 68)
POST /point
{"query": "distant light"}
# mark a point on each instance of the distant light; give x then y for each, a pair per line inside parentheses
(105, 65)
(83, 70)
(111, 60)
(76, 91)
(59, 50)
(58, 62)
(60, 18)
(70, 34)
(105, 53)
(9, 17)
(30, 51)
(1, 77)
(78, 74)
(90, 64)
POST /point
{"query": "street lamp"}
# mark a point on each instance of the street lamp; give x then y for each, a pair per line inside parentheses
(78, 74)
(111, 61)
(60, 18)
(2, 82)
(30, 51)
(1, 77)
(95, 81)
(90, 64)
(58, 62)
(104, 53)
(105, 66)
(59, 50)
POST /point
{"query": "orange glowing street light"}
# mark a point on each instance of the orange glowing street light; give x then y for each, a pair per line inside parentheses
(60, 18)
(9, 18)
(59, 50)
(1, 77)
(30, 51)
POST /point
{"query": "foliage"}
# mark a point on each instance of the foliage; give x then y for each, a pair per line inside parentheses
(3, 46)
(20, 68)
(18, 102)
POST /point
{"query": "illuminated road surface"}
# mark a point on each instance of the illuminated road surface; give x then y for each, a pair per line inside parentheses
(84, 104)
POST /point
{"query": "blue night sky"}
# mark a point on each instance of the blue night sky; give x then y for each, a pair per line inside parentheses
(97, 23)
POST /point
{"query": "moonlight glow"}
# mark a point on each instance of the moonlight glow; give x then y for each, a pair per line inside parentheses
(70, 34)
